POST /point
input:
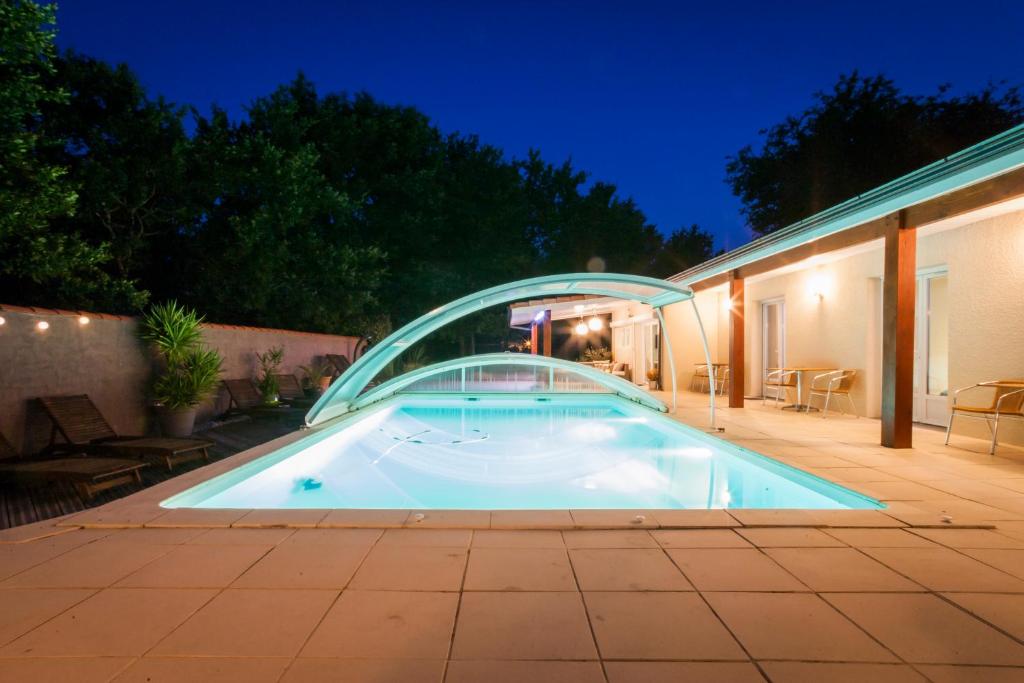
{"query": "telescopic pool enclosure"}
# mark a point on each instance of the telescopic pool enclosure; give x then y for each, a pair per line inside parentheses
(536, 374)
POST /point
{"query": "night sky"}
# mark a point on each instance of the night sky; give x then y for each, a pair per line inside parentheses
(650, 96)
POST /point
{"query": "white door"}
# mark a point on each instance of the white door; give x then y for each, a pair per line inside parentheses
(931, 348)
(773, 336)
(646, 353)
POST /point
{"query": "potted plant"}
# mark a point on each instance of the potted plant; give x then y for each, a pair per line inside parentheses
(189, 371)
(652, 378)
(270, 360)
(315, 378)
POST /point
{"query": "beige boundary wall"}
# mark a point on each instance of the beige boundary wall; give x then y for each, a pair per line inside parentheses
(842, 328)
(105, 360)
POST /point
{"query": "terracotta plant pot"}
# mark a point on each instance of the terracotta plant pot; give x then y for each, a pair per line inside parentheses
(324, 383)
(177, 422)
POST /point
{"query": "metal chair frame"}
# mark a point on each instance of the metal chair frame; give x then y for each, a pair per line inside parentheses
(835, 381)
(991, 419)
(779, 385)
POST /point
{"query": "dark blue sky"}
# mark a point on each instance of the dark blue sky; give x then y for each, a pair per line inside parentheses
(649, 96)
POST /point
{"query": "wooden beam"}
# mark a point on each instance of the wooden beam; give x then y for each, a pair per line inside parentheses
(971, 198)
(736, 370)
(547, 332)
(898, 299)
(534, 340)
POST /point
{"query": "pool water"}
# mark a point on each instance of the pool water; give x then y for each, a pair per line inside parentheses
(490, 453)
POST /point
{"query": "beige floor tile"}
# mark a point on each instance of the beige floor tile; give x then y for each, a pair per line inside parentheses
(411, 568)
(969, 538)
(274, 518)
(195, 566)
(250, 623)
(699, 538)
(517, 539)
(1007, 560)
(151, 536)
(197, 517)
(304, 566)
(632, 569)
(776, 517)
(386, 625)
(442, 538)
(658, 626)
(879, 538)
(362, 538)
(116, 515)
(89, 566)
(789, 538)
(1002, 610)
(973, 674)
(902, 490)
(811, 672)
(609, 539)
(62, 670)
(208, 670)
(22, 609)
(733, 569)
(449, 519)
(926, 629)
(839, 569)
(857, 518)
(113, 623)
(794, 626)
(694, 519)
(517, 672)
(942, 569)
(336, 670)
(263, 537)
(604, 519)
(676, 672)
(531, 519)
(519, 569)
(522, 626)
(17, 557)
(381, 519)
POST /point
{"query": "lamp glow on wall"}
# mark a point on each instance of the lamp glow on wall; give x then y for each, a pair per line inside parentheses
(42, 326)
(816, 286)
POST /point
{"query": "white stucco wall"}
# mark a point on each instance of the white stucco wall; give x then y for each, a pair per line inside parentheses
(842, 328)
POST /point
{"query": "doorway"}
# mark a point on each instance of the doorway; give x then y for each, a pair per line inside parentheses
(931, 347)
(773, 337)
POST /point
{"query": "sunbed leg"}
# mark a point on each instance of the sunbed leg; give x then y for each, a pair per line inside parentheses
(949, 426)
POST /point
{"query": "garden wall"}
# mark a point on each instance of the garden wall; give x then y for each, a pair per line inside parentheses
(104, 359)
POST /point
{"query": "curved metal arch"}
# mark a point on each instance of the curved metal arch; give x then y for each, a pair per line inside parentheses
(338, 399)
(614, 384)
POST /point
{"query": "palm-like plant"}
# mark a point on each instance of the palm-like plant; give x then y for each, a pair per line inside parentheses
(270, 360)
(191, 371)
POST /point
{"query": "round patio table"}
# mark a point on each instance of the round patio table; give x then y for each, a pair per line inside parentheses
(799, 371)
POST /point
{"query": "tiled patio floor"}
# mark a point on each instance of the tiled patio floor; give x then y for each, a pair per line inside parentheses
(765, 596)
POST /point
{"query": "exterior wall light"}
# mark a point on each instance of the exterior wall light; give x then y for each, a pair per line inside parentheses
(42, 326)
(816, 286)
(581, 328)
(3, 321)
(595, 323)
(83, 320)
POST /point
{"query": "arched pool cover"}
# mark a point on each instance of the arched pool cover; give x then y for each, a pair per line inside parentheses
(340, 397)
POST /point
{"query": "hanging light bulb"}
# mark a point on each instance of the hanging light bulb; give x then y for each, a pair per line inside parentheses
(595, 323)
(581, 328)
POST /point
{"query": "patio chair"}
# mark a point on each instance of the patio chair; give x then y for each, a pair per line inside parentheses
(340, 362)
(836, 383)
(83, 427)
(700, 378)
(1007, 402)
(245, 399)
(722, 380)
(779, 381)
(621, 370)
(88, 475)
(290, 389)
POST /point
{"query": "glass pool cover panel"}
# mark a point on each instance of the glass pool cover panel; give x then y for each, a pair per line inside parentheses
(525, 453)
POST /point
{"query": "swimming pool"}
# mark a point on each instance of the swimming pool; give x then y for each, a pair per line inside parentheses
(514, 453)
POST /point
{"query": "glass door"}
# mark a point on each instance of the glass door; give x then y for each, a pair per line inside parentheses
(931, 348)
(773, 336)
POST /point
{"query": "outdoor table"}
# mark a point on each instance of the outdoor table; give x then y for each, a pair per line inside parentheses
(799, 371)
(713, 374)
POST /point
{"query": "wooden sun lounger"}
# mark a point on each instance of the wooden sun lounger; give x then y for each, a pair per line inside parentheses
(340, 362)
(289, 389)
(88, 475)
(246, 399)
(83, 427)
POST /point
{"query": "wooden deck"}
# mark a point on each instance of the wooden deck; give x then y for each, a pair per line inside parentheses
(24, 506)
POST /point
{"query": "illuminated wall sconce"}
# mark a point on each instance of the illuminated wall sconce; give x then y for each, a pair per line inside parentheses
(3, 321)
(42, 326)
(83, 320)
(816, 286)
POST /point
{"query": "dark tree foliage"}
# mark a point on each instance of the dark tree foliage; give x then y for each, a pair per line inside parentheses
(861, 134)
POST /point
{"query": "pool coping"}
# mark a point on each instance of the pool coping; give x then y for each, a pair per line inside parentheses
(143, 510)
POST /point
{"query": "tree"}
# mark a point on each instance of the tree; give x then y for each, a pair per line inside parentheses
(684, 248)
(37, 263)
(861, 134)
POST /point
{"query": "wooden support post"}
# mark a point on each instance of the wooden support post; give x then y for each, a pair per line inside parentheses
(898, 297)
(534, 340)
(737, 373)
(547, 333)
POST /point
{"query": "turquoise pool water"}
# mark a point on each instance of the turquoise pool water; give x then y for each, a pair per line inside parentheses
(491, 453)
